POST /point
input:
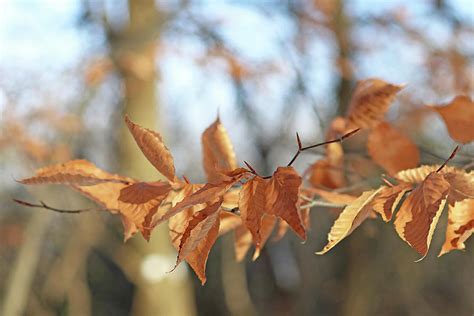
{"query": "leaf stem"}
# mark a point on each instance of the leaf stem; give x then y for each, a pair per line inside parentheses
(50, 208)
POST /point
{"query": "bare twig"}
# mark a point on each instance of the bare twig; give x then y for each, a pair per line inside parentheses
(47, 207)
(450, 157)
(336, 140)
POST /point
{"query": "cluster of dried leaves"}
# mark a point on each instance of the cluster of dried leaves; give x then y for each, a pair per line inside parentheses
(239, 199)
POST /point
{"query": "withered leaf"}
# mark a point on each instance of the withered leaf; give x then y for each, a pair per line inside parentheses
(283, 198)
(418, 175)
(152, 146)
(267, 225)
(460, 226)
(416, 220)
(198, 238)
(391, 149)
(388, 198)
(140, 201)
(370, 101)
(75, 172)
(218, 152)
(253, 205)
(461, 186)
(350, 218)
(458, 116)
(329, 171)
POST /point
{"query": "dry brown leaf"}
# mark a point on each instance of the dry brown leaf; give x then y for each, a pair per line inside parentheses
(198, 238)
(152, 146)
(253, 205)
(370, 101)
(418, 175)
(391, 149)
(140, 201)
(458, 115)
(388, 198)
(461, 186)
(129, 228)
(283, 198)
(350, 218)
(460, 226)
(416, 220)
(218, 152)
(75, 172)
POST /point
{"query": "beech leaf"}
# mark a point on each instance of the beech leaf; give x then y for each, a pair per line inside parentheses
(369, 102)
(350, 218)
(460, 226)
(458, 116)
(283, 198)
(218, 152)
(416, 220)
(391, 149)
(152, 146)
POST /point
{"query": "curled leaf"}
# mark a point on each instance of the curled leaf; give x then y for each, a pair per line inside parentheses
(350, 218)
(75, 172)
(370, 101)
(283, 198)
(198, 238)
(417, 218)
(218, 152)
(460, 226)
(388, 198)
(152, 146)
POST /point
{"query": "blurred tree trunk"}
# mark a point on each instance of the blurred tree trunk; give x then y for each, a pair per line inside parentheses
(133, 51)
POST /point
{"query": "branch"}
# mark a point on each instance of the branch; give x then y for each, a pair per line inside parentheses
(47, 207)
(450, 157)
(336, 140)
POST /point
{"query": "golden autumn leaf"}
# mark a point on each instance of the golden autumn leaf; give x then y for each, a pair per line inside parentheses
(75, 172)
(391, 149)
(416, 220)
(418, 175)
(388, 198)
(369, 102)
(283, 198)
(350, 218)
(218, 152)
(129, 228)
(198, 238)
(460, 226)
(152, 146)
(458, 116)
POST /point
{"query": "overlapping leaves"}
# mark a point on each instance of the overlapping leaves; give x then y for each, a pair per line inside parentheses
(238, 199)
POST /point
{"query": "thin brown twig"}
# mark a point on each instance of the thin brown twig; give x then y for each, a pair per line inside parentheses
(450, 157)
(336, 140)
(54, 209)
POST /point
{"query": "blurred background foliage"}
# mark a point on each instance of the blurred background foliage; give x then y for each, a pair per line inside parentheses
(71, 69)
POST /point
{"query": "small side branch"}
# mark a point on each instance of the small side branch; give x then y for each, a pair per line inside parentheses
(447, 160)
(47, 207)
(301, 148)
